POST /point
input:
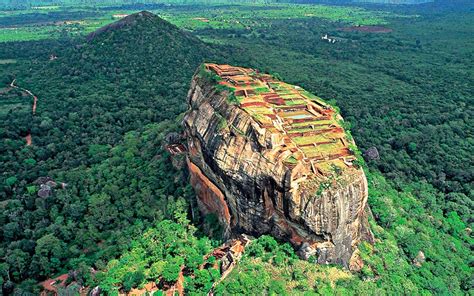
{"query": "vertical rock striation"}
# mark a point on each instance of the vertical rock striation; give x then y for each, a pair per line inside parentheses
(270, 158)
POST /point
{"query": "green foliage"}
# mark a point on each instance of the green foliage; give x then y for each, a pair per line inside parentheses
(222, 122)
(10, 181)
(442, 240)
(213, 227)
(325, 185)
(291, 160)
(259, 90)
(333, 104)
(160, 251)
(98, 151)
(202, 281)
(389, 265)
(30, 161)
(101, 118)
(171, 269)
(254, 277)
(232, 99)
(277, 76)
(49, 251)
(31, 189)
(208, 75)
(133, 279)
(103, 111)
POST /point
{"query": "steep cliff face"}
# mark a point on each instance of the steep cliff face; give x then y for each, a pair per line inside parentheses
(270, 158)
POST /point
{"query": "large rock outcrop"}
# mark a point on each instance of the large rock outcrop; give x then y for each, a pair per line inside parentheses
(270, 158)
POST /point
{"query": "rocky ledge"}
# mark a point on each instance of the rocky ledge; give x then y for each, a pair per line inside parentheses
(268, 157)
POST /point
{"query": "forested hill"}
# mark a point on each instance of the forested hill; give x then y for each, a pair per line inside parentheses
(119, 78)
(91, 95)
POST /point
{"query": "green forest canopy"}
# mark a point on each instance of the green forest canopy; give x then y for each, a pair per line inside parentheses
(97, 129)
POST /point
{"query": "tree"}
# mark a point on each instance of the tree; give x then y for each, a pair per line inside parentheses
(11, 231)
(49, 251)
(101, 211)
(156, 270)
(10, 181)
(277, 288)
(202, 281)
(193, 258)
(172, 269)
(19, 262)
(133, 279)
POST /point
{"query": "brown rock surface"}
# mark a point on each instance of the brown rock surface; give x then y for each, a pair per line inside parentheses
(270, 158)
(211, 199)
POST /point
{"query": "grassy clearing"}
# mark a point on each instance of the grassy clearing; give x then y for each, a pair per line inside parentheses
(25, 34)
(291, 160)
(322, 149)
(331, 165)
(51, 31)
(51, 28)
(295, 102)
(260, 90)
(311, 139)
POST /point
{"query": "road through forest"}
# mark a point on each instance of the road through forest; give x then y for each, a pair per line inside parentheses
(33, 108)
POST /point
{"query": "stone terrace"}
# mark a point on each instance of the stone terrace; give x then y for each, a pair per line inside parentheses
(303, 128)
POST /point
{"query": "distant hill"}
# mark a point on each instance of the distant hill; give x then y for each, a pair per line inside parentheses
(148, 45)
(137, 21)
(145, 62)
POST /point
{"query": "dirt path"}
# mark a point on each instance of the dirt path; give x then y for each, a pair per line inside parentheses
(35, 98)
(33, 107)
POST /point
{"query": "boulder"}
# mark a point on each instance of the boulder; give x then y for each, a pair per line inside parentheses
(45, 191)
(371, 154)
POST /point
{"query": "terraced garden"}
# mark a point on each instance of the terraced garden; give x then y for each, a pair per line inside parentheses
(304, 128)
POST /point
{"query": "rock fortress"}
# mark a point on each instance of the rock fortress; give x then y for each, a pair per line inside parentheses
(268, 157)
